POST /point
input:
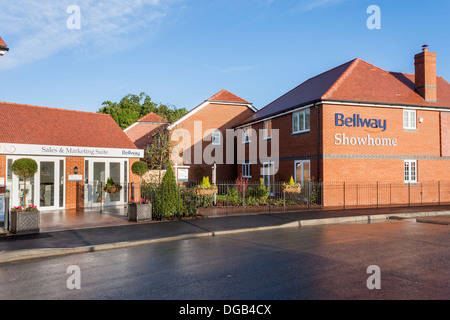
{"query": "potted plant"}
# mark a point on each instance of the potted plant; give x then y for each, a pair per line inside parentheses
(205, 188)
(25, 219)
(111, 187)
(291, 187)
(139, 210)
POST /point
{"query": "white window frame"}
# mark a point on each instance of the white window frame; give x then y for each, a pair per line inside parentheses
(296, 121)
(409, 116)
(267, 130)
(408, 176)
(246, 170)
(246, 135)
(302, 178)
(216, 138)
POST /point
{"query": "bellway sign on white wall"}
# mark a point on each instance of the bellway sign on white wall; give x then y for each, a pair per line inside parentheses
(42, 150)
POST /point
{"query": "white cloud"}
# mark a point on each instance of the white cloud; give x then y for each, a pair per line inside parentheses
(37, 29)
(314, 4)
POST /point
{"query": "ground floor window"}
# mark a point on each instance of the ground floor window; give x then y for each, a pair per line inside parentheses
(302, 171)
(410, 171)
(246, 170)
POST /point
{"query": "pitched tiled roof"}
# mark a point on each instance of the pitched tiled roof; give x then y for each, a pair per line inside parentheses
(152, 117)
(25, 124)
(226, 96)
(357, 81)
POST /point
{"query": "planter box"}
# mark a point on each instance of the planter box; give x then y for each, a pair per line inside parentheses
(206, 192)
(25, 222)
(140, 212)
(292, 189)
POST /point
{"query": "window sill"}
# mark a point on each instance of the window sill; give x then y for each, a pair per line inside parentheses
(300, 133)
(410, 130)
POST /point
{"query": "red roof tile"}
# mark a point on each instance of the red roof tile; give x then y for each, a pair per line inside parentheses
(26, 124)
(357, 81)
(152, 117)
(226, 96)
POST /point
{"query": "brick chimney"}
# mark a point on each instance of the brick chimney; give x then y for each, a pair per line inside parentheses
(425, 63)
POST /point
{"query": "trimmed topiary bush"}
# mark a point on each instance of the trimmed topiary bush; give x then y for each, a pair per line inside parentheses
(24, 168)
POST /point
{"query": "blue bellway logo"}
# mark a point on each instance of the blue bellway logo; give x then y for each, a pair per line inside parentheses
(370, 125)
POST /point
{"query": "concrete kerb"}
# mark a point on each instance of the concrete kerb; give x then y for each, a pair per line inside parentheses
(18, 255)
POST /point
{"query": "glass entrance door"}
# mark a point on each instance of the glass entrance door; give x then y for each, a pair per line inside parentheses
(97, 172)
(47, 184)
(45, 190)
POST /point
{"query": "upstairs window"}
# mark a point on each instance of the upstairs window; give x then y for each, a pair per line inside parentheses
(301, 121)
(216, 135)
(267, 129)
(409, 119)
(246, 135)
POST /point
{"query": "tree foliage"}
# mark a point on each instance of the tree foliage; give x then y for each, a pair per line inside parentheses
(24, 168)
(132, 107)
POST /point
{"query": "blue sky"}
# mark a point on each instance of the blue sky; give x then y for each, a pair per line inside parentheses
(182, 52)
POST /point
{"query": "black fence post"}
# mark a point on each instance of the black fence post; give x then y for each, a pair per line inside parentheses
(132, 191)
(439, 192)
(227, 199)
(409, 193)
(377, 194)
(344, 193)
(101, 197)
(179, 201)
(162, 202)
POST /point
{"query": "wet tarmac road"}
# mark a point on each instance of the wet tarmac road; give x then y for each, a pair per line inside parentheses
(322, 262)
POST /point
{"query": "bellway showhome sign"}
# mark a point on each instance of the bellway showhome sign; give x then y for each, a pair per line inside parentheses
(45, 150)
(374, 126)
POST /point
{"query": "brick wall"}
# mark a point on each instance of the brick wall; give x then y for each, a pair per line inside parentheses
(74, 199)
(212, 116)
(445, 134)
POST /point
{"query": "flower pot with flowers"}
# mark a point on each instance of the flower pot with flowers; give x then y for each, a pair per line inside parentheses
(139, 210)
(291, 187)
(111, 187)
(25, 219)
(205, 189)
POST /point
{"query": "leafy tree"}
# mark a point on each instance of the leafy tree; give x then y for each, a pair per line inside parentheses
(157, 155)
(132, 107)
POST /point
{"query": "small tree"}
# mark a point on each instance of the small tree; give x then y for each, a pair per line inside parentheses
(140, 168)
(157, 155)
(167, 195)
(24, 168)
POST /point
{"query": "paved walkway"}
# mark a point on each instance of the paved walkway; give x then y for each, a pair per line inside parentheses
(127, 234)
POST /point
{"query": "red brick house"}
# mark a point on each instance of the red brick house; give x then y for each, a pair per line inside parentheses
(71, 148)
(206, 126)
(357, 123)
(142, 131)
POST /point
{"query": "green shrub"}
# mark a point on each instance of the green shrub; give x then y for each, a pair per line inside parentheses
(166, 202)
